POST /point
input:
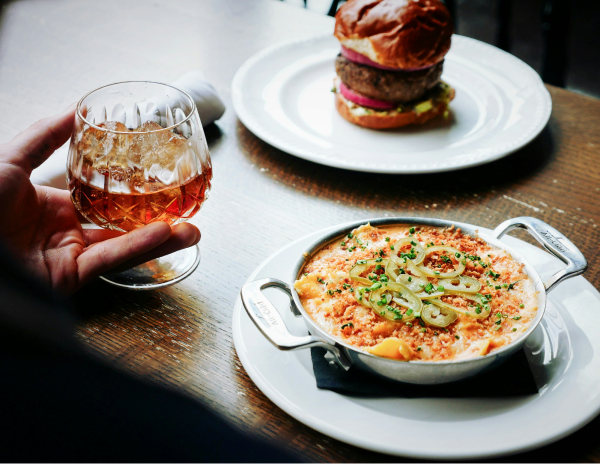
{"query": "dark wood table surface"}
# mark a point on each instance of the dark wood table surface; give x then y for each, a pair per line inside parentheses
(52, 52)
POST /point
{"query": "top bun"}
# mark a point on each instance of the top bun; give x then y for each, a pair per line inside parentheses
(404, 34)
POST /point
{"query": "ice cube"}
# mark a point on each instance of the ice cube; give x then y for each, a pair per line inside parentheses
(106, 151)
(158, 147)
(161, 155)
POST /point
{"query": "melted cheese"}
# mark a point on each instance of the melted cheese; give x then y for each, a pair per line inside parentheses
(393, 348)
(309, 287)
(478, 348)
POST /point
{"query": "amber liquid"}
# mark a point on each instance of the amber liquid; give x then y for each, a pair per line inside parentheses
(126, 212)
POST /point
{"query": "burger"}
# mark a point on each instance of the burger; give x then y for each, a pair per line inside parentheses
(389, 69)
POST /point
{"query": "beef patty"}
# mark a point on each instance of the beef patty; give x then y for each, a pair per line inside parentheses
(394, 86)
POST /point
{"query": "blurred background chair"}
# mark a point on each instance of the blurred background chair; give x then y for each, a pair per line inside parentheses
(558, 38)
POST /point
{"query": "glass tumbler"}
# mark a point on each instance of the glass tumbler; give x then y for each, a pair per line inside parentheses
(138, 155)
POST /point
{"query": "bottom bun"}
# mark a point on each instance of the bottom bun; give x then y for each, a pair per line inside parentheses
(377, 119)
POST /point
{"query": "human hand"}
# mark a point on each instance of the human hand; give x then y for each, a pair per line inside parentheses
(40, 225)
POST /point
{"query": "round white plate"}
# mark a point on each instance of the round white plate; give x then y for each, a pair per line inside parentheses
(564, 354)
(283, 95)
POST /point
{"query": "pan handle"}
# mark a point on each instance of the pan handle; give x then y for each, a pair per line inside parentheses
(268, 320)
(554, 242)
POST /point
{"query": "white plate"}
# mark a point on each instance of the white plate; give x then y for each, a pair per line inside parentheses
(283, 95)
(564, 354)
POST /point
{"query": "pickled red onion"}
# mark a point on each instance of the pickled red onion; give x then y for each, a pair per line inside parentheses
(364, 101)
(352, 55)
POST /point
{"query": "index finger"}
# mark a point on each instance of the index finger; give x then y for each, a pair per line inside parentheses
(34, 145)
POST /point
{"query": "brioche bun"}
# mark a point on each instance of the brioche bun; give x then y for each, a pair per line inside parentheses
(374, 119)
(403, 34)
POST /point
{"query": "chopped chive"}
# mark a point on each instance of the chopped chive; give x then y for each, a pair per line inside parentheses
(521, 306)
(457, 337)
(349, 324)
(516, 318)
(387, 239)
(514, 329)
(412, 230)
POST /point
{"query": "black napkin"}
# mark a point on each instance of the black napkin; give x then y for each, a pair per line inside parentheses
(512, 378)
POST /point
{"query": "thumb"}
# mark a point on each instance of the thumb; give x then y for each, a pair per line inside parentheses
(34, 145)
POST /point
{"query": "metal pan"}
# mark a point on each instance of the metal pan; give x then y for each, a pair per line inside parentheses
(271, 324)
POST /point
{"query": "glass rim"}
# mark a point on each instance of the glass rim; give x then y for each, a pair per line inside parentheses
(192, 111)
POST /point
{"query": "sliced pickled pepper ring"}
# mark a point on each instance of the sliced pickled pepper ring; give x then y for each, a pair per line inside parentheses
(416, 248)
(450, 253)
(362, 265)
(438, 316)
(382, 299)
(461, 283)
(478, 306)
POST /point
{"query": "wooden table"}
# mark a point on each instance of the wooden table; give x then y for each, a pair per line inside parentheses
(51, 53)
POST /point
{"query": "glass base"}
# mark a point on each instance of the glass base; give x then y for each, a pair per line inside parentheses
(158, 273)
